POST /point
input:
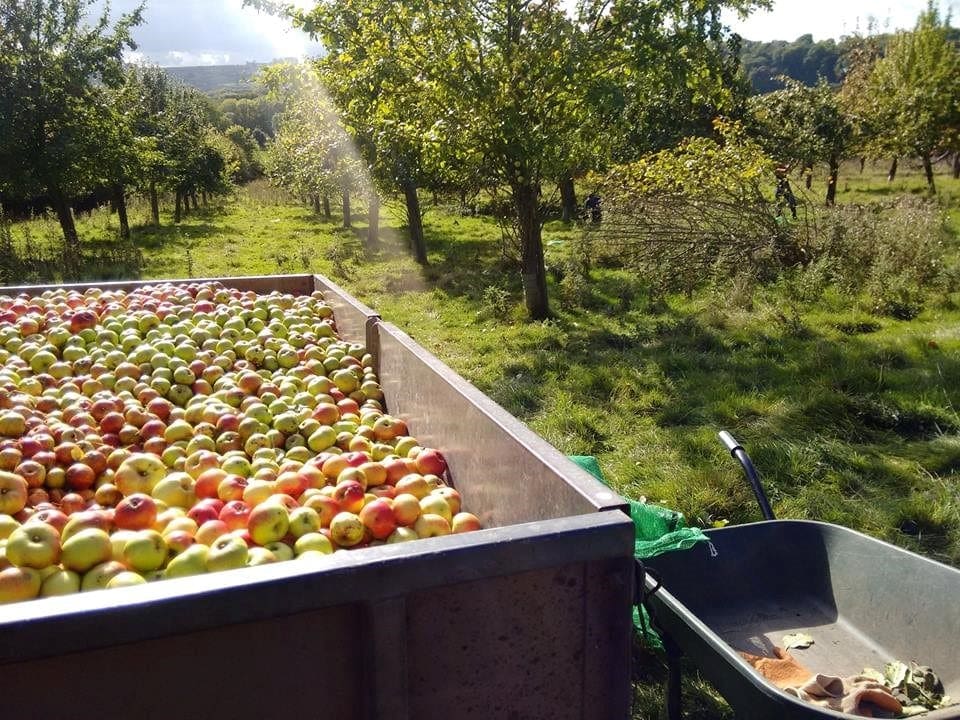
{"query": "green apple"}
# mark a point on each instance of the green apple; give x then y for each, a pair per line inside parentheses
(97, 577)
(35, 545)
(324, 438)
(346, 529)
(145, 551)
(437, 505)
(268, 522)
(178, 430)
(403, 534)
(41, 361)
(431, 525)
(280, 550)
(62, 582)
(404, 445)
(126, 579)
(192, 561)
(260, 556)
(286, 422)
(88, 547)
(118, 539)
(313, 542)
(175, 490)
(304, 520)
(139, 473)
(236, 465)
(7, 526)
(227, 553)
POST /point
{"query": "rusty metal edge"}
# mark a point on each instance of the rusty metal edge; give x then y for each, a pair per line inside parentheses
(241, 282)
(54, 626)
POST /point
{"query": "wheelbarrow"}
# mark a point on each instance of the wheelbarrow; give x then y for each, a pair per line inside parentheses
(865, 603)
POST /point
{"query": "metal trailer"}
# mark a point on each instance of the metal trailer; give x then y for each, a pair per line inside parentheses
(528, 618)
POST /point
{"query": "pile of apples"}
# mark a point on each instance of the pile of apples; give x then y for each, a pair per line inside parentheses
(177, 430)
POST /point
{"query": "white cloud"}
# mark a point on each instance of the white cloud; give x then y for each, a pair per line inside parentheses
(210, 32)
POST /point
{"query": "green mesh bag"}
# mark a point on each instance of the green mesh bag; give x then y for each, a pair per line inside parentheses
(656, 530)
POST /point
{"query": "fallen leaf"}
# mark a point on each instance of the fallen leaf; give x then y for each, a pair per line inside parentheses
(797, 641)
(895, 673)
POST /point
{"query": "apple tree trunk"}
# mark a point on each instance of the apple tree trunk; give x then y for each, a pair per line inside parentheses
(120, 202)
(373, 219)
(326, 206)
(956, 165)
(154, 205)
(178, 207)
(892, 174)
(832, 182)
(808, 170)
(315, 201)
(61, 207)
(346, 209)
(568, 200)
(928, 171)
(532, 267)
(415, 222)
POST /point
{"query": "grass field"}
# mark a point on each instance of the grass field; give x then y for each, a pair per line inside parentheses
(852, 421)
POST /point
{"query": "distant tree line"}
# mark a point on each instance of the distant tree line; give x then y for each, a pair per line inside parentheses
(765, 64)
(79, 126)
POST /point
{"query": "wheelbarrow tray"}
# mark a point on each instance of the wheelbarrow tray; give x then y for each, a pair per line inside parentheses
(864, 602)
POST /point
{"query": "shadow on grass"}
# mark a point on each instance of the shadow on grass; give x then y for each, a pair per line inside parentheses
(151, 237)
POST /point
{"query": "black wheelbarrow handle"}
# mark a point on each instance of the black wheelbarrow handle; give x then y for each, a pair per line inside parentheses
(737, 451)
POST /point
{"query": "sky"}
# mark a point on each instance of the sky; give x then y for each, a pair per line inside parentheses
(830, 18)
(209, 32)
(223, 32)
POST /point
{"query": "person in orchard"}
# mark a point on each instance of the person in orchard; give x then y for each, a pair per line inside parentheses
(593, 205)
(784, 195)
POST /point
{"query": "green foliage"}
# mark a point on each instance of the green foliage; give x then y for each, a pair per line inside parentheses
(908, 101)
(509, 96)
(767, 63)
(58, 129)
(312, 154)
(864, 251)
(696, 213)
(42, 258)
(242, 154)
(252, 113)
(803, 125)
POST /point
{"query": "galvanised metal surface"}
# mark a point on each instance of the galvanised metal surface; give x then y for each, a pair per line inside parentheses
(509, 473)
(529, 618)
(864, 602)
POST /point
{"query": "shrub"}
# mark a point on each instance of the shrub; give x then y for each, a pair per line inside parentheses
(698, 213)
(892, 253)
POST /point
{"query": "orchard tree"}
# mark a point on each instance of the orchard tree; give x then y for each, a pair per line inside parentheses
(175, 141)
(312, 156)
(381, 99)
(802, 124)
(145, 94)
(870, 132)
(510, 84)
(56, 121)
(914, 90)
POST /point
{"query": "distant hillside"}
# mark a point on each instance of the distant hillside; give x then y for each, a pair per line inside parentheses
(802, 59)
(220, 79)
